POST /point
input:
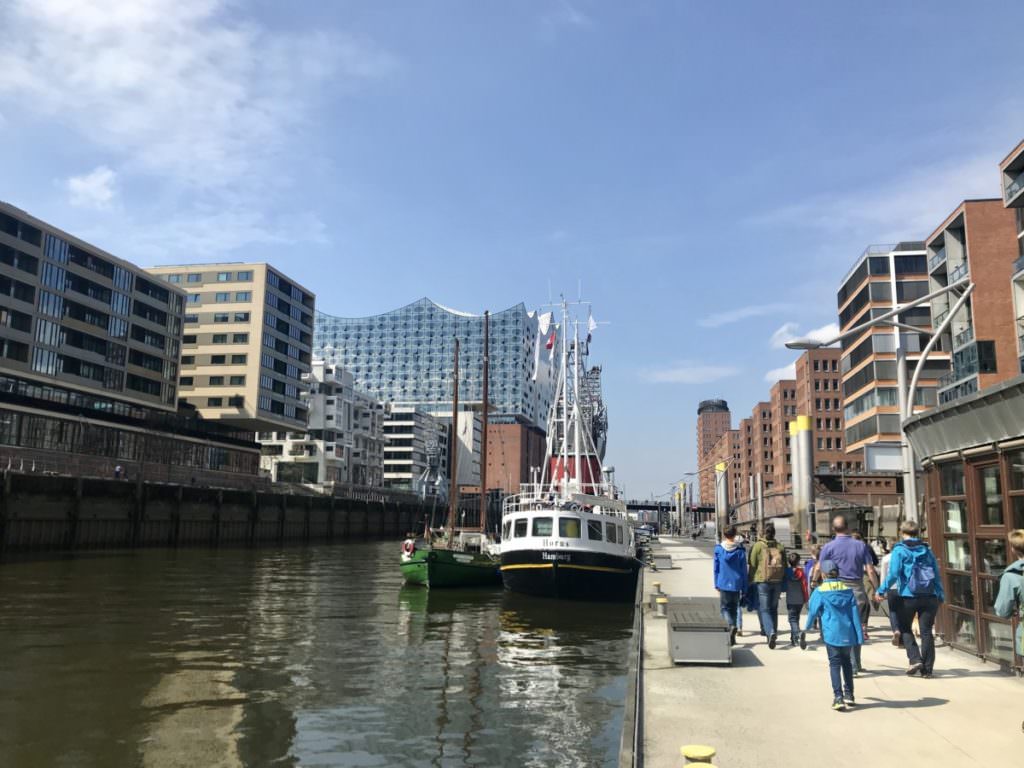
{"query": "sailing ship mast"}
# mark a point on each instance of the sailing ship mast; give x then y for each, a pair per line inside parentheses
(453, 449)
(483, 433)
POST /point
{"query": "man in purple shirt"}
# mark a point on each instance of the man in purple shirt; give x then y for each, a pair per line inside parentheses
(852, 557)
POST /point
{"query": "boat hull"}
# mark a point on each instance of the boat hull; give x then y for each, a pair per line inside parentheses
(571, 575)
(448, 568)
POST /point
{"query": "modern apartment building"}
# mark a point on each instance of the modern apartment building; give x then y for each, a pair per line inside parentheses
(415, 442)
(1012, 183)
(406, 357)
(883, 277)
(977, 240)
(343, 442)
(89, 353)
(247, 343)
(713, 420)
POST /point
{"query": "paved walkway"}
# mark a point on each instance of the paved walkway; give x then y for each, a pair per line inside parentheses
(773, 708)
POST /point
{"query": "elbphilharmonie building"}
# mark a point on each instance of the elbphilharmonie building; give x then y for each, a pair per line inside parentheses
(406, 356)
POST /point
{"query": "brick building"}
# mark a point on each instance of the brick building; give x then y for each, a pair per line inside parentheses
(512, 451)
(713, 419)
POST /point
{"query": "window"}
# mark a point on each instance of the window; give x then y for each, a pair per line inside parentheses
(193, 298)
(189, 338)
(220, 338)
(594, 530)
(217, 359)
(243, 295)
(191, 319)
(240, 338)
(569, 527)
(991, 495)
(195, 277)
(215, 402)
(542, 526)
(244, 275)
(216, 381)
(236, 401)
(520, 529)
(174, 278)
(241, 317)
(186, 381)
(222, 296)
(237, 381)
(238, 359)
(610, 533)
(220, 317)
(223, 277)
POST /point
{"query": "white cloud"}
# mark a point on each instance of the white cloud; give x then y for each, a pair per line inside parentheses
(791, 331)
(742, 313)
(778, 374)
(92, 190)
(688, 372)
(562, 15)
(906, 207)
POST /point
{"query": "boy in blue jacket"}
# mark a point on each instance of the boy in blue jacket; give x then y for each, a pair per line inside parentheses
(836, 605)
(730, 566)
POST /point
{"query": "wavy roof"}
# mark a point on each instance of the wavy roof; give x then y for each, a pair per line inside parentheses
(520, 307)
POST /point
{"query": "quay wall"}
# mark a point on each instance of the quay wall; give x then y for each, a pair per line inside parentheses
(58, 513)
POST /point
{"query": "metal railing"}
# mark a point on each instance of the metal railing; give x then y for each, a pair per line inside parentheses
(937, 320)
(959, 373)
(1014, 187)
(964, 337)
(958, 272)
(937, 259)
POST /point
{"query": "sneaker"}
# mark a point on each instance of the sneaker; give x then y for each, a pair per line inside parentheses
(913, 669)
(856, 670)
(803, 641)
(838, 704)
(897, 639)
(772, 641)
(848, 699)
(926, 675)
(732, 636)
(792, 641)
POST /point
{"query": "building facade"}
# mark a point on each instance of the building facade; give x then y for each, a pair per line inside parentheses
(978, 240)
(415, 451)
(247, 344)
(782, 399)
(406, 357)
(90, 349)
(1011, 172)
(728, 450)
(819, 395)
(515, 455)
(343, 442)
(883, 277)
(713, 420)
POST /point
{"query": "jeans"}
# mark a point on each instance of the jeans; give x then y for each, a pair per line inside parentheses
(894, 601)
(729, 602)
(793, 612)
(768, 593)
(925, 609)
(841, 658)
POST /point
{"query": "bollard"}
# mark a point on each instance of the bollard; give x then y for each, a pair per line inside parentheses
(657, 587)
(661, 604)
(697, 753)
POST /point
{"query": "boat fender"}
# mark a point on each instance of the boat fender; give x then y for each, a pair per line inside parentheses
(575, 507)
(408, 547)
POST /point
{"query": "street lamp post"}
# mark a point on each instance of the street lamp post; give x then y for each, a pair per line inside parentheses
(905, 393)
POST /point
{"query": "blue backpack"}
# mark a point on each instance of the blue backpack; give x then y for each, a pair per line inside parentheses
(921, 576)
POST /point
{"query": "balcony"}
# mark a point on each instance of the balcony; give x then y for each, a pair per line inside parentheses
(958, 374)
(937, 320)
(958, 273)
(936, 260)
(963, 338)
(1014, 188)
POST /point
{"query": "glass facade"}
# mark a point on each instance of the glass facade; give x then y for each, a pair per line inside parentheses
(406, 357)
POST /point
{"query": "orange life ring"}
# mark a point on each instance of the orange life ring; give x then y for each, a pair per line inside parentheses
(408, 546)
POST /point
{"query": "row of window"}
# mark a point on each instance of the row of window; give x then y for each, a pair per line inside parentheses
(217, 359)
(221, 317)
(221, 297)
(235, 401)
(241, 276)
(568, 528)
(215, 381)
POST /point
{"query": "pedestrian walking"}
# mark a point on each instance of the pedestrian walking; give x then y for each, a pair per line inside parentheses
(852, 559)
(835, 604)
(730, 568)
(117, 472)
(914, 573)
(795, 588)
(767, 569)
(892, 597)
(1010, 599)
(809, 564)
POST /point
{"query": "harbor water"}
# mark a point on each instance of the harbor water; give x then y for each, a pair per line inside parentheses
(315, 656)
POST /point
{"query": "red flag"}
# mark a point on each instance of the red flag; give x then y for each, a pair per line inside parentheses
(551, 340)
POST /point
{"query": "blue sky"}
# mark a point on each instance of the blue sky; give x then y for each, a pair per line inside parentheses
(708, 170)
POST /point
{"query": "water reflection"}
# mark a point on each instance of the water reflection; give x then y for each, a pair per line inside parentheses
(308, 657)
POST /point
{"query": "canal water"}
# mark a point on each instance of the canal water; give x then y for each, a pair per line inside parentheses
(313, 656)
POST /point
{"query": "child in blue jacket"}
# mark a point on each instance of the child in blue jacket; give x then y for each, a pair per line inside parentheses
(730, 570)
(835, 604)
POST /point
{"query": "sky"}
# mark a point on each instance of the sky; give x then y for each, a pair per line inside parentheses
(707, 172)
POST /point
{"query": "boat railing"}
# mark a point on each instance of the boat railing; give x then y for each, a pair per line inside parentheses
(536, 496)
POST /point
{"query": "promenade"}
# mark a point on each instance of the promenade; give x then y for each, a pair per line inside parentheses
(771, 709)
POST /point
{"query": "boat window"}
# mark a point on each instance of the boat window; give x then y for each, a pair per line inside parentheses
(609, 531)
(521, 527)
(542, 526)
(506, 529)
(622, 536)
(594, 530)
(569, 527)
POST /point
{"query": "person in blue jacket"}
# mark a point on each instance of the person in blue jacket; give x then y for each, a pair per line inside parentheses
(914, 572)
(1010, 599)
(730, 566)
(836, 605)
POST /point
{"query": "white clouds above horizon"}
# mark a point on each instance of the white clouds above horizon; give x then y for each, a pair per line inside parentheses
(778, 374)
(92, 190)
(688, 372)
(736, 314)
(790, 331)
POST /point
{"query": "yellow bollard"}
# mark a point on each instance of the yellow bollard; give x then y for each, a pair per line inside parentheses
(657, 587)
(661, 604)
(697, 753)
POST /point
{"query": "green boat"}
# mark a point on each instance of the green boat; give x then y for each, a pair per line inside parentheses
(437, 567)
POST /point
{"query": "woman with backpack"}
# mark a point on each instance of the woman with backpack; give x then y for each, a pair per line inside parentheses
(767, 567)
(914, 573)
(1010, 599)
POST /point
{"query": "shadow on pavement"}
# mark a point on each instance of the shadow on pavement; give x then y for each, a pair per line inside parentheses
(744, 657)
(926, 701)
